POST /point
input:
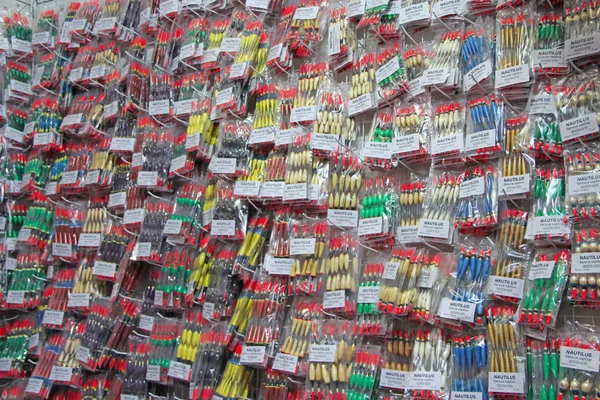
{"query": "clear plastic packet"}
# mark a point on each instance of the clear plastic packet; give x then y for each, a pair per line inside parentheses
(298, 170)
(98, 325)
(46, 33)
(126, 20)
(19, 34)
(161, 99)
(329, 371)
(441, 197)
(390, 75)
(508, 277)
(306, 26)
(149, 244)
(477, 210)
(23, 285)
(577, 115)
(183, 365)
(331, 122)
(548, 47)
(363, 379)
(87, 284)
(342, 271)
(477, 57)
(210, 363)
(137, 361)
(484, 136)
(463, 299)
(201, 130)
(237, 380)
(318, 189)
(414, 124)
(580, 28)
(373, 12)
(232, 156)
(430, 285)
(427, 344)
(186, 221)
(172, 289)
(212, 45)
(312, 76)
(15, 125)
(68, 224)
(81, 26)
(231, 96)
(548, 217)
(248, 257)
(583, 287)
(138, 86)
(345, 189)
(265, 322)
(297, 332)
(273, 186)
(134, 208)
(379, 211)
(266, 118)
(59, 351)
(17, 82)
(506, 352)
(370, 320)
(156, 152)
(443, 57)
(514, 63)
(548, 275)
(192, 48)
(411, 198)
(542, 366)
(18, 332)
(540, 132)
(512, 226)
(114, 249)
(362, 91)
(163, 341)
(449, 124)
(39, 220)
(100, 171)
(230, 214)
(307, 246)
(469, 371)
(399, 276)
(381, 143)
(279, 59)
(47, 74)
(580, 164)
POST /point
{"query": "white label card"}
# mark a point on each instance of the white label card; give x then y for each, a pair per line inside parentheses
(356, 8)
(279, 266)
(444, 144)
(173, 227)
(506, 382)
(580, 359)
(582, 46)
(324, 141)
(360, 104)
(146, 322)
(272, 189)
(303, 13)
(417, 12)
(253, 355)
(552, 225)
(585, 263)
(425, 380)
(391, 378)
(334, 299)
(296, 191)
(34, 385)
(434, 228)
(344, 218)
(379, 150)
(82, 354)
(324, 353)
(512, 76)
(302, 246)
(541, 269)
(443, 8)
(117, 199)
(368, 294)
(61, 374)
(53, 317)
(502, 286)
(370, 226)
(222, 165)
(427, 278)
(466, 396)
(153, 373)
(103, 268)
(577, 127)
(5, 364)
(303, 114)
(386, 70)
(246, 188)
(262, 135)
(457, 310)
(179, 370)
(222, 227)
(333, 42)
(480, 140)
(286, 363)
(62, 250)
(231, 45)
(513, 185)
(78, 300)
(472, 187)
(147, 178)
(390, 270)
(583, 184)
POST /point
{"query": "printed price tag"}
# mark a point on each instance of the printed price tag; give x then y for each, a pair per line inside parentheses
(322, 353)
(408, 144)
(379, 150)
(435, 76)
(222, 227)
(134, 216)
(417, 12)
(69, 178)
(192, 141)
(147, 178)
(238, 70)
(159, 107)
(110, 110)
(286, 136)
(208, 311)
(122, 144)
(92, 177)
(302, 246)
(390, 270)
(285, 363)
(356, 8)
(97, 72)
(143, 249)
(253, 355)
(580, 359)
(449, 7)
(105, 24)
(334, 299)
(262, 135)
(324, 141)
(15, 297)
(21, 46)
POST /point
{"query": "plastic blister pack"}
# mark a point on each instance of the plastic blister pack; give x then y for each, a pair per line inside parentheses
(548, 273)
